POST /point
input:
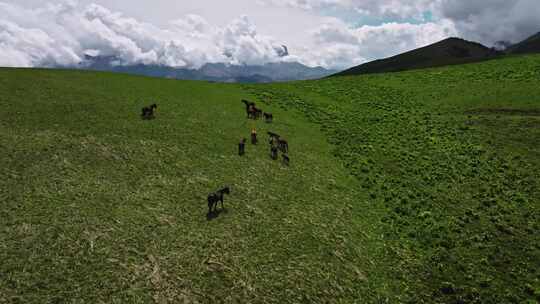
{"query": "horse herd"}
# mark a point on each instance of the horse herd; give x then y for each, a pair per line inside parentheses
(277, 144)
(255, 113)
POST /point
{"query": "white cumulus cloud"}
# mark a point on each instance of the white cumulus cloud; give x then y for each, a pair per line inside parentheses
(344, 45)
(63, 34)
(316, 32)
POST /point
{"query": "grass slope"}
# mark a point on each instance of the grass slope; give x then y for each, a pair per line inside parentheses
(97, 205)
(453, 156)
(419, 187)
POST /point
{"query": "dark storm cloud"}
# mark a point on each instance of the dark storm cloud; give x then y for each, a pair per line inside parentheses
(493, 20)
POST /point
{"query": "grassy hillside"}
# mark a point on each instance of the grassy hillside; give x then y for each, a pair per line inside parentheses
(530, 45)
(419, 186)
(100, 206)
(453, 156)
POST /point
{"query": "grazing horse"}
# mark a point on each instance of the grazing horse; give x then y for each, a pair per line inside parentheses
(283, 145)
(252, 112)
(257, 113)
(214, 198)
(273, 136)
(254, 136)
(148, 112)
(242, 147)
(274, 152)
(250, 106)
(286, 159)
(268, 117)
(248, 103)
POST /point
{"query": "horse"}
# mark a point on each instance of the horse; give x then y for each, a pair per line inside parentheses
(148, 112)
(273, 135)
(214, 198)
(286, 159)
(248, 103)
(268, 117)
(257, 113)
(252, 112)
(242, 146)
(254, 137)
(283, 145)
(249, 107)
(274, 152)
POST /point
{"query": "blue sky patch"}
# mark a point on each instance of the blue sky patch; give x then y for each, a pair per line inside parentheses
(356, 19)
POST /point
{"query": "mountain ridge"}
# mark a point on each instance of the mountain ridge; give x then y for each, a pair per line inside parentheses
(527, 46)
(215, 72)
(449, 51)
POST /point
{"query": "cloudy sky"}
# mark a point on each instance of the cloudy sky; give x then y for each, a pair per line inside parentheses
(331, 33)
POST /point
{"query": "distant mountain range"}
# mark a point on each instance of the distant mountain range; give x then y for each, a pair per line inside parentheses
(218, 72)
(446, 52)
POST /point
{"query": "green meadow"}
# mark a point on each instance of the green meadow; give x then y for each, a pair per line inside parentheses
(410, 187)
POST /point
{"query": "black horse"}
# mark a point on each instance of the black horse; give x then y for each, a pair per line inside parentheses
(273, 136)
(148, 112)
(286, 159)
(214, 198)
(242, 147)
(257, 113)
(268, 117)
(283, 145)
(248, 103)
(274, 152)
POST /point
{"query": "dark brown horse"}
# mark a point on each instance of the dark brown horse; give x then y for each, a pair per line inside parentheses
(286, 159)
(254, 136)
(273, 136)
(214, 198)
(242, 147)
(257, 113)
(274, 152)
(250, 106)
(148, 112)
(283, 145)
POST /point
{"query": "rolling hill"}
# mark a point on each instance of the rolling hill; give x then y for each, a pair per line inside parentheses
(446, 52)
(411, 187)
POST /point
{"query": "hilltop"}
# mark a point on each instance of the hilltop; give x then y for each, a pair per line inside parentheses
(449, 51)
(411, 187)
(446, 52)
(528, 46)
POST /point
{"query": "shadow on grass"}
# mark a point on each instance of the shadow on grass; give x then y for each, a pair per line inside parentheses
(215, 214)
